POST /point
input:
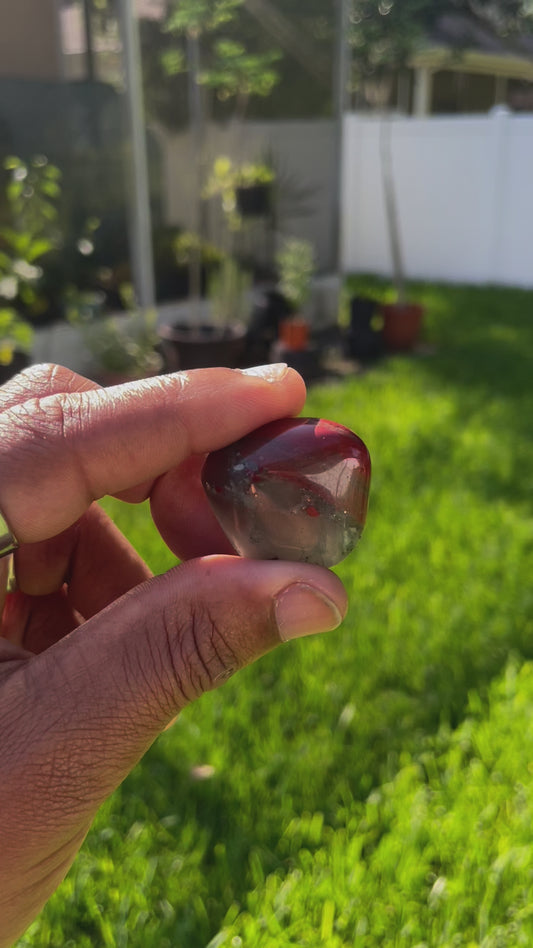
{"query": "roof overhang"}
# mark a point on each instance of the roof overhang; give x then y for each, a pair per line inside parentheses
(473, 61)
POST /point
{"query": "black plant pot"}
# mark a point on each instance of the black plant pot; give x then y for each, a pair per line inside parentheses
(269, 310)
(254, 200)
(186, 346)
(308, 361)
(365, 339)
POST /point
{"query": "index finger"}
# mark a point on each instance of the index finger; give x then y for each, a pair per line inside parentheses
(60, 453)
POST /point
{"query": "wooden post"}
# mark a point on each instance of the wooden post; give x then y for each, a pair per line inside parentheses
(422, 91)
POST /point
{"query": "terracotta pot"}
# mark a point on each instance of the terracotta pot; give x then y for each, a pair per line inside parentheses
(294, 333)
(401, 325)
(185, 346)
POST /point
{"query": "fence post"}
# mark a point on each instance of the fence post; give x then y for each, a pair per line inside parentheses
(498, 186)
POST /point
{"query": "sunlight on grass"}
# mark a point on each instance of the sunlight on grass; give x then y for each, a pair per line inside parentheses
(373, 786)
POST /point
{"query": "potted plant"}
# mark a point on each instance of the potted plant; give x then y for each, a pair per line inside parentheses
(295, 262)
(253, 190)
(402, 319)
(384, 46)
(244, 190)
(219, 338)
(189, 246)
(219, 69)
(122, 347)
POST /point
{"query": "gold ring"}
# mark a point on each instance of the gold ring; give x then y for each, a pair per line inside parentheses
(8, 543)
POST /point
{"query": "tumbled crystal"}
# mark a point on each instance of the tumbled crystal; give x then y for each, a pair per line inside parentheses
(295, 489)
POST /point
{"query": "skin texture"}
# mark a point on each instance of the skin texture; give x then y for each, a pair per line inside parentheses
(96, 655)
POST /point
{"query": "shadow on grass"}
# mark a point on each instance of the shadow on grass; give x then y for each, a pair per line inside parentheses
(484, 337)
(483, 355)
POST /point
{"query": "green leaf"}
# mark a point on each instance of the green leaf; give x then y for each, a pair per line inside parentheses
(51, 189)
(11, 163)
(173, 61)
(38, 248)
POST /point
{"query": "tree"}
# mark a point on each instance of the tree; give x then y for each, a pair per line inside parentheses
(215, 60)
(385, 33)
(268, 58)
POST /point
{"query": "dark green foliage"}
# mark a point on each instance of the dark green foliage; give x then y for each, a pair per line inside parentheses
(372, 787)
(385, 33)
(284, 67)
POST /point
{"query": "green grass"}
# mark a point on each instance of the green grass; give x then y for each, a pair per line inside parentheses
(373, 786)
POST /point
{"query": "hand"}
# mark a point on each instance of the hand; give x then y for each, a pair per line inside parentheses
(96, 656)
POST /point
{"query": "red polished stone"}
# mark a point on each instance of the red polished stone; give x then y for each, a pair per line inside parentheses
(295, 489)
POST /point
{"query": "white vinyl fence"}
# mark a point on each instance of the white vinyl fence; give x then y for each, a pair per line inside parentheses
(464, 193)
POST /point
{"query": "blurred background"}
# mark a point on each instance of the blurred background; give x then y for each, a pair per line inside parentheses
(345, 186)
(221, 163)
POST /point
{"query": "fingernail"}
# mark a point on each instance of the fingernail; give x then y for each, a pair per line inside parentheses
(304, 610)
(270, 373)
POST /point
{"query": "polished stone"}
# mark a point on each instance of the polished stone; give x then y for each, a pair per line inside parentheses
(295, 489)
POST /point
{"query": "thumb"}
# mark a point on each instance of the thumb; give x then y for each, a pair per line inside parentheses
(116, 682)
(83, 712)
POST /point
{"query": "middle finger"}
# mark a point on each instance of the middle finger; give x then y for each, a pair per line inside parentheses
(92, 558)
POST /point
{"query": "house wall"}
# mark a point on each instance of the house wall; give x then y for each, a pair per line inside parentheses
(303, 154)
(464, 198)
(29, 40)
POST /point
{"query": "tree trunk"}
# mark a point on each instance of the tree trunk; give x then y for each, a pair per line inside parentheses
(391, 207)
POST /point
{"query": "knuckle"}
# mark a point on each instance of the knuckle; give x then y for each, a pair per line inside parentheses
(46, 376)
(32, 436)
(37, 422)
(26, 429)
(199, 652)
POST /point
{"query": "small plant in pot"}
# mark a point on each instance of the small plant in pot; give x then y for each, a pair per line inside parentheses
(219, 339)
(253, 190)
(402, 319)
(244, 190)
(295, 262)
(121, 348)
(189, 250)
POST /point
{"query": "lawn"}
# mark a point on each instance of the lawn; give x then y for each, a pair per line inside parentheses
(372, 787)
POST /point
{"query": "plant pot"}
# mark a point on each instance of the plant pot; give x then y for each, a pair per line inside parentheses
(294, 333)
(401, 325)
(364, 338)
(253, 200)
(308, 361)
(269, 309)
(184, 346)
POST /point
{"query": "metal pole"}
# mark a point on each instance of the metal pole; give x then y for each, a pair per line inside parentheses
(197, 126)
(141, 218)
(340, 82)
(89, 56)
